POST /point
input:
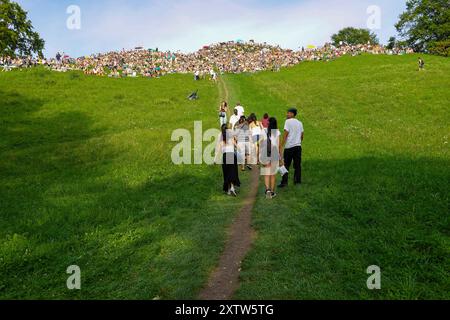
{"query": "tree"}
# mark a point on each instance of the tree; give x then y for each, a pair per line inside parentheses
(17, 35)
(353, 36)
(392, 43)
(425, 24)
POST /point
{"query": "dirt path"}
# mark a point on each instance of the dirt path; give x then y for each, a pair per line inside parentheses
(223, 90)
(224, 281)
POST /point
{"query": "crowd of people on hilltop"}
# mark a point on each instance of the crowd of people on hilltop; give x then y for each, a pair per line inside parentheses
(249, 142)
(8, 63)
(225, 57)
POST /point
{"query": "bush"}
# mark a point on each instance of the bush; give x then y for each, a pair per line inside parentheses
(441, 48)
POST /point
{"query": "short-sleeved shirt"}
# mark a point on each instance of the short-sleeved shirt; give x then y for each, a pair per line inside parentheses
(295, 129)
(240, 110)
(234, 120)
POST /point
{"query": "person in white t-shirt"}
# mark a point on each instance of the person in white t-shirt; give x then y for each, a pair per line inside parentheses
(292, 142)
(213, 75)
(234, 119)
(240, 109)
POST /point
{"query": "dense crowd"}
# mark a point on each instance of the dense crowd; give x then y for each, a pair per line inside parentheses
(251, 143)
(8, 63)
(225, 57)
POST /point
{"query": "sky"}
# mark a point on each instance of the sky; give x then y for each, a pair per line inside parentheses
(187, 25)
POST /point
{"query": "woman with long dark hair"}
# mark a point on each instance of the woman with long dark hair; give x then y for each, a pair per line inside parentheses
(225, 151)
(270, 157)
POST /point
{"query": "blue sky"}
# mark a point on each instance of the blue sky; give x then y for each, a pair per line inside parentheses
(187, 25)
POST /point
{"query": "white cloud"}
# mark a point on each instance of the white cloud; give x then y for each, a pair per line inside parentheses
(188, 25)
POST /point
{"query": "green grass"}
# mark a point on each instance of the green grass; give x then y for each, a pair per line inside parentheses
(376, 181)
(86, 179)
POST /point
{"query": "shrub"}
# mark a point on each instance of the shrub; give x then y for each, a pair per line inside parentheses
(441, 48)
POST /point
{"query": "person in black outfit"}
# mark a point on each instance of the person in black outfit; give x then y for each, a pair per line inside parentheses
(226, 151)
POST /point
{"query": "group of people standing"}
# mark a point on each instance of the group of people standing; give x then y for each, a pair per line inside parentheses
(203, 75)
(249, 143)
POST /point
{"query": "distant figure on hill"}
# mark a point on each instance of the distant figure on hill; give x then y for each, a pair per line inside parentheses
(193, 96)
(223, 113)
(213, 75)
(421, 64)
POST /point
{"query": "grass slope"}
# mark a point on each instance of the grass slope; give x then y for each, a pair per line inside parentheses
(376, 177)
(86, 179)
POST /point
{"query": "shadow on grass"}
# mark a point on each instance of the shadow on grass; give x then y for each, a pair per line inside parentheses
(316, 242)
(63, 205)
(39, 154)
(152, 240)
(23, 125)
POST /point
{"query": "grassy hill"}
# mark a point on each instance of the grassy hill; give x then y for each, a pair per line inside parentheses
(86, 178)
(376, 176)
